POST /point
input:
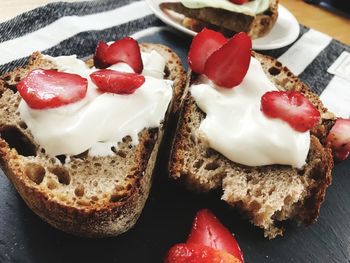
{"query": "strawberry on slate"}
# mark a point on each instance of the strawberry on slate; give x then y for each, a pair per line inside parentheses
(292, 107)
(202, 46)
(117, 82)
(197, 253)
(228, 65)
(43, 89)
(209, 231)
(339, 139)
(125, 50)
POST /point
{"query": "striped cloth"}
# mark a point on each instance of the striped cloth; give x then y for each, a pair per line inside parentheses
(75, 28)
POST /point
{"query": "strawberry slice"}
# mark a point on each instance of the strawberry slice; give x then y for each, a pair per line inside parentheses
(339, 139)
(292, 107)
(100, 54)
(228, 65)
(125, 50)
(239, 2)
(196, 253)
(202, 46)
(42, 89)
(117, 82)
(207, 230)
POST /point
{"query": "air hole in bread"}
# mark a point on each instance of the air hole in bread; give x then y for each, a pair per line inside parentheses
(274, 71)
(97, 164)
(288, 200)
(83, 202)
(18, 140)
(23, 125)
(268, 12)
(62, 158)
(126, 139)
(166, 72)
(62, 175)
(272, 190)
(113, 149)
(212, 166)
(11, 87)
(35, 172)
(278, 64)
(118, 196)
(254, 206)
(7, 78)
(94, 198)
(18, 78)
(197, 164)
(83, 155)
(79, 191)
(51, 184)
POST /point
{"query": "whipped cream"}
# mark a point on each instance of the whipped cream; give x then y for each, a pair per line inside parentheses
(100, 120)
(249, 8)
(236, 127)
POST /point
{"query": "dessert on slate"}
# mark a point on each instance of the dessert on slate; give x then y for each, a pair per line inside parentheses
(250, 127)
(255, 17)
(79, 142)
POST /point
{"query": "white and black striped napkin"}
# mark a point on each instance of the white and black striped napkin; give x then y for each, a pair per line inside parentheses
(75, 28)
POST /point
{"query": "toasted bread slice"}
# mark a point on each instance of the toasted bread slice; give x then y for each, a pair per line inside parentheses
(225, 21)
(266, 194)
(87, 196)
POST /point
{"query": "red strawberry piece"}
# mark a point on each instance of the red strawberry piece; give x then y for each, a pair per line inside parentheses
(100, 54)
(125, 50)
(42, 89)
(209, 231)
(228, 65)
(117, 82)
(339, 139)
(197, 253)
(202, 46)
(292, 107)
(239, 2)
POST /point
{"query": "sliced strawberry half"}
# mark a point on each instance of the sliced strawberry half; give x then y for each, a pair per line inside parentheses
(203, 45)
(292, 107)
(339, 139)
(197, 253)
(228, 65)
(42, 89)
(117, 82)
(239, 2)
(208, 230)
(125, 50)
(100, 55)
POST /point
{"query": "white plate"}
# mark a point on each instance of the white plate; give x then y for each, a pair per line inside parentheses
(284, 32)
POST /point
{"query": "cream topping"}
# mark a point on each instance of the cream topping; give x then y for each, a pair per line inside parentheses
(236, 127)
(249, 8)
(100, 120)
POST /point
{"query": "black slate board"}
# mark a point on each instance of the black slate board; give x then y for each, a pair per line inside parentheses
(167, 219)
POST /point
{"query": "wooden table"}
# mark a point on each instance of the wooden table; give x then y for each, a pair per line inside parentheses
(311, 16)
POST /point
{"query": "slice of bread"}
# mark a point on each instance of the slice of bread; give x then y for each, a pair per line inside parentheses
(85, 196)
(266, 194)
(225, 21)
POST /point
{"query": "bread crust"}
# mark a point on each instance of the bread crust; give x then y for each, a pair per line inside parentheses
(203, 169)
(109, 216)
(225, 21)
